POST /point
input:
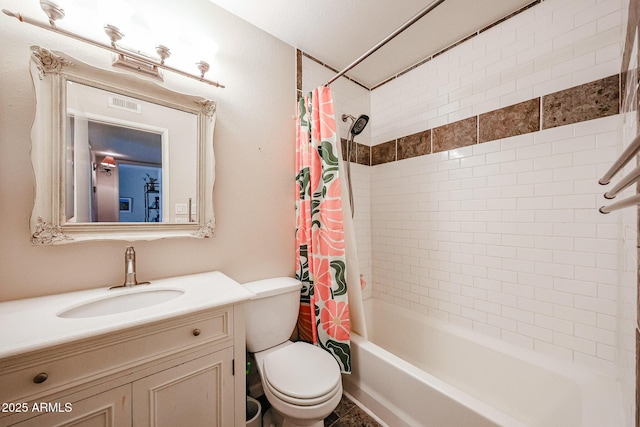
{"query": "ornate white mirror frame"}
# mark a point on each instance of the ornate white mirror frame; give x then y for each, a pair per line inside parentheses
(50, 72)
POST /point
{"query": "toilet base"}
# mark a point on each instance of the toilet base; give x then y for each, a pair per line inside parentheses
(273, 418)
(268, 419)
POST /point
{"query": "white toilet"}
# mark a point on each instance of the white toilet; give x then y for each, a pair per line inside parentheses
(301, 381)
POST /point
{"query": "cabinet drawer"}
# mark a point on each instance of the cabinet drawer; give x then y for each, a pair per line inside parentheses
(35, 375)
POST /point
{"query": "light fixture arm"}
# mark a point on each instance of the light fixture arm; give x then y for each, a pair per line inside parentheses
(112, 48)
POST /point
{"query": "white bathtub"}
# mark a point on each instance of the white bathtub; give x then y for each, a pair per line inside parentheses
(419, 372)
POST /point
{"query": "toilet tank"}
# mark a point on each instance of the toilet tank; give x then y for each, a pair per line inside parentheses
(272, 315)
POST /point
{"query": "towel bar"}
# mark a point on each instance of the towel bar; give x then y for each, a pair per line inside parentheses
(624, 158)
(624, 203)
(625, 182)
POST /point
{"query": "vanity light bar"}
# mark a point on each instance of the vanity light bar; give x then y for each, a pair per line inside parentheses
(122, 53)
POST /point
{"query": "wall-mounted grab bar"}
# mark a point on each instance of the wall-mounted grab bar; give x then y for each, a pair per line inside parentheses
(624, 203)
(624, 158)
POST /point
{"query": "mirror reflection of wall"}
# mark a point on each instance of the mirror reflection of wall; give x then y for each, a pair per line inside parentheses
(140, 193)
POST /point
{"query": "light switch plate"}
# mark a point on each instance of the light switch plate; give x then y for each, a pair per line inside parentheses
(181, 209)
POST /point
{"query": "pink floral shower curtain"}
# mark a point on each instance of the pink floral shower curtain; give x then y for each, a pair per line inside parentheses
(320, 253)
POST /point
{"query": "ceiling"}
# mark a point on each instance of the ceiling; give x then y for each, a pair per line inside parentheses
(337, 32)
(125, 143)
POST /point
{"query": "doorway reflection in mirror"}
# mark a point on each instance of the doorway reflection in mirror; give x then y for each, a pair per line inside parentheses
(118, 147)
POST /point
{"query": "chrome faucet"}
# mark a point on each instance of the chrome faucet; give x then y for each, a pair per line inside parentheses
(129, 270)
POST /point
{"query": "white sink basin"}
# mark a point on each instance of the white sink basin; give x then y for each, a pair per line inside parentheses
(42, 322)
(121, 302)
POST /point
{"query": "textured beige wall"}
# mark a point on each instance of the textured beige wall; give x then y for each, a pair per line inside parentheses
(254, 145)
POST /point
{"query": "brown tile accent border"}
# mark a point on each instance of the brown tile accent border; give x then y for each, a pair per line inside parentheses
(414, 145)
(343, 150)
(298, 69)
(585, 102)
(451, 46)
(593, 101)
(363, 154)
(455, 135)
(511, 15)
(334, 70)
(383, 153)
(298, 74)
(510, 121)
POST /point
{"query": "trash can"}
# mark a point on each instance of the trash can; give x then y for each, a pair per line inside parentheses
(254, 412)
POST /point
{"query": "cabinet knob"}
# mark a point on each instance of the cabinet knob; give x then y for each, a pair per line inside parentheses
(40, 378)
(196, 332)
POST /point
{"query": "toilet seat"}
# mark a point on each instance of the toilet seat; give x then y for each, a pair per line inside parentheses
(303, 402)
(302, 374)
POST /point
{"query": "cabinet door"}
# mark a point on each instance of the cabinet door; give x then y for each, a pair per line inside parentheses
(196, 393)
(108, 409)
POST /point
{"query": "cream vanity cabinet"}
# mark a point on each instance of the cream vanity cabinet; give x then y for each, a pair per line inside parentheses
(174, 372)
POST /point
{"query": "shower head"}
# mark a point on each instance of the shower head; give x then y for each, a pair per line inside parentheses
(358, 124)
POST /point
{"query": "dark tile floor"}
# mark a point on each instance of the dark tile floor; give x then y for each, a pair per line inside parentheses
(348, 414)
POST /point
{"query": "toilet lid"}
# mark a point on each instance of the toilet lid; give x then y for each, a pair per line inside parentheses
(302, 371)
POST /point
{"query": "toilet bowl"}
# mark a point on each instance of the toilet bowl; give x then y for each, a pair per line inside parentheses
(302, 382)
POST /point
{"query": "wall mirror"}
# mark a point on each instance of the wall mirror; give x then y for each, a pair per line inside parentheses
(116, 156)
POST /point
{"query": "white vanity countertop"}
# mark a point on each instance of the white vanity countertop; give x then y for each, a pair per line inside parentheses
(33, 323)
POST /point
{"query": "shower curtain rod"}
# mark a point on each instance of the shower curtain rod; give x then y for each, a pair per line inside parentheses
(387, 39)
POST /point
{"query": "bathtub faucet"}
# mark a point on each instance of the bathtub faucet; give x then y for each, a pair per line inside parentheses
(129, 270)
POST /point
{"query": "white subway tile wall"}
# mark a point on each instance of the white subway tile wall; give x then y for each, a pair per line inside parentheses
(628, 260)
(552, 46)
(361, 178)
(505, 238)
